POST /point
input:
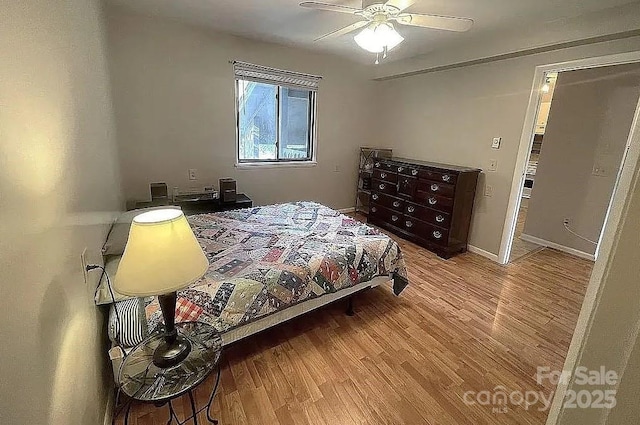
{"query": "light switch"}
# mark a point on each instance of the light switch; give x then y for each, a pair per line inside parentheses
(493, 165)
(495, 144)
(193, 174)
(488, 191)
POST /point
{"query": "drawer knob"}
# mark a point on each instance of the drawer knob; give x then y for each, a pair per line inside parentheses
(374, 209)
(409, 223)
(374, 196)
(400, 169)
(377, 165)
(414, 172)
(383, 175)
(435, 187)
(382, 186)
(433, 201)
(446, 177)
(396, 204)
(394, 218)
(410, 209)
(437, 234)
(439, 218)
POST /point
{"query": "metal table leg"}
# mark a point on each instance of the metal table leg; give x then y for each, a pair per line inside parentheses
(194, 411)
(212, 396)
(172, 413)
(193, 408)
(126, 415)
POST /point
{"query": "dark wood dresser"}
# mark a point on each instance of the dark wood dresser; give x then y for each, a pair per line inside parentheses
(426, 203)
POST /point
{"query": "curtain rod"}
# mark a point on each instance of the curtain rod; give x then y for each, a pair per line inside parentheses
(302, 74)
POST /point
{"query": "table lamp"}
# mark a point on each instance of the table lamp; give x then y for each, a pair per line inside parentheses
(162, 255)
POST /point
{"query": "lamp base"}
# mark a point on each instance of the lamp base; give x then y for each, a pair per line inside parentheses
(174, 348)
(169, 354)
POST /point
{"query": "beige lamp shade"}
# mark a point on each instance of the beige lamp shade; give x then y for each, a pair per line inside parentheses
(162, 255)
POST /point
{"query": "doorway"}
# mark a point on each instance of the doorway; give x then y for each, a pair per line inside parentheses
(522, 247)
(576, 145)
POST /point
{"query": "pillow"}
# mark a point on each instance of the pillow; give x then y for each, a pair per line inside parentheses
(129, 326)
(103, 296)
(119, 233)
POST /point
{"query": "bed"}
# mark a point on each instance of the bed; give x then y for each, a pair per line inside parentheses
(270, 264)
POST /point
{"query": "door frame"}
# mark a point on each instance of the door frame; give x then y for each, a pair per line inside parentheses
(528, 131)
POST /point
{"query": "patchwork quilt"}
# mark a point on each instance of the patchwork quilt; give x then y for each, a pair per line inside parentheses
(265, 259)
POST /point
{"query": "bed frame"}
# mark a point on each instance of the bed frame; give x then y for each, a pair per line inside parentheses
(289, 313)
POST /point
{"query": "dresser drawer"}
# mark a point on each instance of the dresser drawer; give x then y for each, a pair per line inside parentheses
(435, 234)
(383, 187)
(406, 186)
(438, 188)
(408, 171)
(404, 169)
(425, 230)
(385, 175)
(385, 214)
(437, 218)
(438, 175)
(384, 166)
(436, 202)
(388, 201)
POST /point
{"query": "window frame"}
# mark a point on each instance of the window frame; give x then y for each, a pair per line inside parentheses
(310, 160)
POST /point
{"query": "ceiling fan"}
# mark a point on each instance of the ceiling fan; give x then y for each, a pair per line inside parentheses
(379, 35)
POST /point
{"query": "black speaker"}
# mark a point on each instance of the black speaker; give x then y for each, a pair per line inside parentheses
(159, 191)
(227, 190)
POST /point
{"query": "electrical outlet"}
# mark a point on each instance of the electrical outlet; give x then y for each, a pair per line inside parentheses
(495, 143)
(566, 221)
(193, 174)
(493, 165)
(599, 171)
(488, 191)
(83, 260)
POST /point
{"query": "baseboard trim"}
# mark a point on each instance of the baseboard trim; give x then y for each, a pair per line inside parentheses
(490, 255)
(557, 246)
(347, 210)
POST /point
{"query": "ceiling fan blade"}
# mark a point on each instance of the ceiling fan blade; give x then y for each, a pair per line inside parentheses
(343, 31)
(447, 23)
(329, 7)
(400, 4)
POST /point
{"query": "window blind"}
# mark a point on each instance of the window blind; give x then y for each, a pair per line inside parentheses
(264, 74)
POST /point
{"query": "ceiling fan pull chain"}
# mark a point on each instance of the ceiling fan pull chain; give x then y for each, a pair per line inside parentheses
(377, 58)
(384, 52)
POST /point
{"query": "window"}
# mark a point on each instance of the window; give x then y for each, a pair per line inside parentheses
(275, 112)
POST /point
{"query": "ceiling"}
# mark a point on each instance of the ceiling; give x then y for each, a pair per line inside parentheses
(285, 22)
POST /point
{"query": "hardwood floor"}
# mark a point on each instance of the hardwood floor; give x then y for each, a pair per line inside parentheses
(520, 247)
(466, 324)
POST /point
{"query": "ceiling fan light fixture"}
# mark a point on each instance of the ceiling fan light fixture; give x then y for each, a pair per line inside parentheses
(367, 40)
(375, 38)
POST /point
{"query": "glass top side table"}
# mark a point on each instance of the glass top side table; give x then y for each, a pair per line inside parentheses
(141, 380)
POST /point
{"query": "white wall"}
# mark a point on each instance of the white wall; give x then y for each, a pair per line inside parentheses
(174, 104)
(59, 186)
(627, 408)
(612, 328)
(451, 117)
(589, 124)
